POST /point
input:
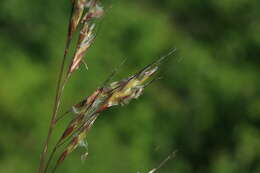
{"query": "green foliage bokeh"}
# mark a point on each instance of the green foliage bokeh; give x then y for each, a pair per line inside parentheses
(207, 106)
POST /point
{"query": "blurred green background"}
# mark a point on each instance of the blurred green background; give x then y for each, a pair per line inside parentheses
(207, 105)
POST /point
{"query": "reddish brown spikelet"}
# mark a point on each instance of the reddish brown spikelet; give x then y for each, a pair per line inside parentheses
(70, 148)
(62, 157)
(92, 97)
(77, 11)
(89, 101)
(68, 131)
(81, 135)
(72, 126)
(86, 35)
(103, 107)
(85, 39)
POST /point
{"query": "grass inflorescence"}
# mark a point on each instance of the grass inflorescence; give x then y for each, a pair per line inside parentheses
(84, 15)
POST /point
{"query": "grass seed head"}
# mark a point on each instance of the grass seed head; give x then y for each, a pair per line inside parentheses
(113, 94)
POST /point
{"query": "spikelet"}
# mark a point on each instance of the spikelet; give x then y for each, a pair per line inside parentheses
(79, 109)
(95, 11)
(83, 111)
(71, 127)
(85, 39)
(87, 35)
(76, 15)
(132, 87)
(77, 140)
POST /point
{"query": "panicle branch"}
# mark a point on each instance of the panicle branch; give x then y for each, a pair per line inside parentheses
(113, 94)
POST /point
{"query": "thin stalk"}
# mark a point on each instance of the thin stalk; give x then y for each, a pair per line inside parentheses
(55, 108)
(57, 98)
(62, 116)
(50, 158)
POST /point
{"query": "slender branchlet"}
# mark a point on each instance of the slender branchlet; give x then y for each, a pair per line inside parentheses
(164, 161)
